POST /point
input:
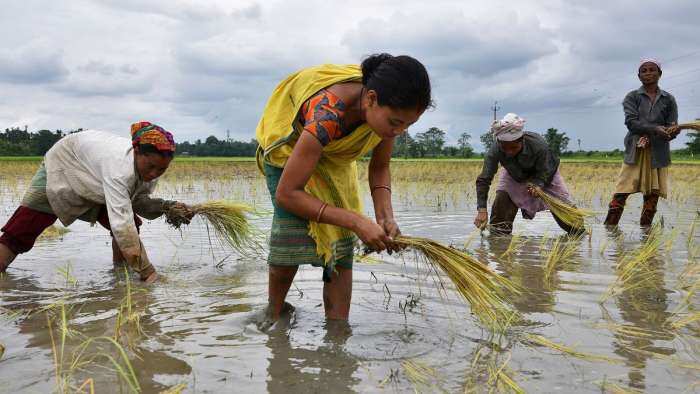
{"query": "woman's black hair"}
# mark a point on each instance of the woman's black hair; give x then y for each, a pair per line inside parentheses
(400, 81)
(148, 149)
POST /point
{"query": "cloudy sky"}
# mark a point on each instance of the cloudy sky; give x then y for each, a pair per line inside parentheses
(201, 67)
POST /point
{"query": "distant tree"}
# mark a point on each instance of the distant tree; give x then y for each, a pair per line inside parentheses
(557, 141)
(431, 141)
(43, 140)
(405, 146)
(465, 148)
(486, 140)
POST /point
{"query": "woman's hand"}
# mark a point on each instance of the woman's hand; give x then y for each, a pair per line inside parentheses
(391, 229)
(183, 209)
(481, 219)
(372, 234)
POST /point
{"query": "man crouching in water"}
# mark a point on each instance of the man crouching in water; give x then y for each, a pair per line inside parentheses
(528, 164)
(96, 176)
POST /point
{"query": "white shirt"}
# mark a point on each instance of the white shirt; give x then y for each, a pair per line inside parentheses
(92, 168)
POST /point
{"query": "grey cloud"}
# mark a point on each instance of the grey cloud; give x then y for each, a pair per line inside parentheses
(193, 11)
(451, 42)
(35, 63)
(97, 78)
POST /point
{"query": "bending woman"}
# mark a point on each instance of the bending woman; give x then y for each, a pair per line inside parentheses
(316, 124)
(96, 176)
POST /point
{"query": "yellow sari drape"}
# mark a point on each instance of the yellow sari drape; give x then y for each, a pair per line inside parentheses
(335, 179)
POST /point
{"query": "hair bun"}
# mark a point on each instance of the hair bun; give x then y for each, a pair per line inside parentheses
(371, 63)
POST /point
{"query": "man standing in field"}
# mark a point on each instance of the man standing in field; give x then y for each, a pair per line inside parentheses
(651, 115)
(528, 163)
(96, 176)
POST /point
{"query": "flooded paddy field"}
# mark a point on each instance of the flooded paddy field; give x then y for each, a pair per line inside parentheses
(70, 320)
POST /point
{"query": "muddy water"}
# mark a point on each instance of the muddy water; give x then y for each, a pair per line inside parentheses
(197, 326)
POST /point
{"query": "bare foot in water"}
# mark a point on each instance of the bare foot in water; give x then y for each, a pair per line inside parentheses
(287, 317)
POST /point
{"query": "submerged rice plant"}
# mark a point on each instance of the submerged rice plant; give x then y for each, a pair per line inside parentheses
(484, 289)
(227, 218)
(560, 251)
(423, 377)
(542, 341)
(632, 269)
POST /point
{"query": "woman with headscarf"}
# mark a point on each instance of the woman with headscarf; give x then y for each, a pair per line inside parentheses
(316, 125)
(651, 115)
(96, 176)
(528, 163)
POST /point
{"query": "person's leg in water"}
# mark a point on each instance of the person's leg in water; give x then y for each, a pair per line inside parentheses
(649, 209)
(280, 279)
(103, 220)
(503, 213)
(615, 209)
(20, 233)
(337, 294)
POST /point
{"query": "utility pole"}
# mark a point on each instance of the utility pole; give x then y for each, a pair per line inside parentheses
(228, 135)
(495, 109)
(579, 144)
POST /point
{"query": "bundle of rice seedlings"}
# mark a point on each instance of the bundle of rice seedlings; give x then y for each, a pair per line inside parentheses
(227, 218)
(482, 288)
(690, 125)
(569, 214)
(2, 350)
(559, 252)
(632, 270)
(542, 341)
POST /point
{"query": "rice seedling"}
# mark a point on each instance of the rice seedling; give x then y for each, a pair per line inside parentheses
(421, 376)
(560, 251)
(690, 126)
(2, 350)
(612, 388)
(569, 214)
(630, 331)
(228, 219)
(632, 269)
(501, 381)
(682, 320)
(515, 242)
(177, 389)
(482, 288)
(126, 313)
(542, 341)
(80, 360)
(65, 272)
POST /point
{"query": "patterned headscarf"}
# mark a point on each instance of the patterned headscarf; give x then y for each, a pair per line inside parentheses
(510, 128)
(149, 133)
(649, 60)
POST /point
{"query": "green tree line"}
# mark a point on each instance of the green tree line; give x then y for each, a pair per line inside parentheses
(431, 143)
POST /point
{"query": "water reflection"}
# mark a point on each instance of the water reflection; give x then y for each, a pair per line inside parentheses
(90, 313)
(643, 307)
(293, 368)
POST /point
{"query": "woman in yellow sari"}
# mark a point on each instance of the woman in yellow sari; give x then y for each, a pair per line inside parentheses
(315, 126)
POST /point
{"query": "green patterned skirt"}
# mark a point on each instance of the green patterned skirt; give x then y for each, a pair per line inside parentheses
(290, 243)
